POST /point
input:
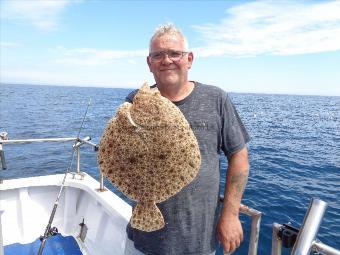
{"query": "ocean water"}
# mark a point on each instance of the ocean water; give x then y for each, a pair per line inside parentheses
(294, 152)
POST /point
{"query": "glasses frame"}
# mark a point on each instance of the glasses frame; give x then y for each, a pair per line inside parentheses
(166, 52)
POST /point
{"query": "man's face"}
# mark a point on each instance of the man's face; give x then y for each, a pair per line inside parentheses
(166, 71)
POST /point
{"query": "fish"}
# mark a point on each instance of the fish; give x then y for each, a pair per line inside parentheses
(149, 152)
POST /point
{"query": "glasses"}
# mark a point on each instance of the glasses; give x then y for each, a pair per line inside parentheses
(173, 55)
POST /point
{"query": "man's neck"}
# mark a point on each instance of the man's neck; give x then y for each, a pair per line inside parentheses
(176, 93)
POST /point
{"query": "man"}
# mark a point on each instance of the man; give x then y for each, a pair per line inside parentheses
(194, 223)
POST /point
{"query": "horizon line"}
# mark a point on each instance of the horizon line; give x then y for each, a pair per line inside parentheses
(129, 88)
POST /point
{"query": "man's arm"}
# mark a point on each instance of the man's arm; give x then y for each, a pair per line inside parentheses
(229, 228)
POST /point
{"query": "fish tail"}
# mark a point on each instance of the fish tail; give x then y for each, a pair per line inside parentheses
(147, 217)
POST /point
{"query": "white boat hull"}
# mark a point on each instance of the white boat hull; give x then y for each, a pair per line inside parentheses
(26, 205)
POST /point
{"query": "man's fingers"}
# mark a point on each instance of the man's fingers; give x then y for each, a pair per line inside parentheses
(226, 247)
(231, 246)
(239, 241)
(230, 237)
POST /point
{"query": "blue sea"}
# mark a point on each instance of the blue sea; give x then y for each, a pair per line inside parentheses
(294, 152)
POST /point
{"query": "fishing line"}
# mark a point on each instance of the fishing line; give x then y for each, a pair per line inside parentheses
(50, 231)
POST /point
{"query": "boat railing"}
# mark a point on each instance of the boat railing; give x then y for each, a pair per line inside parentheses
(303, 241)
(77, 143)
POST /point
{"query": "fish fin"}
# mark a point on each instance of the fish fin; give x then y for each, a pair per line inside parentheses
(147, 217)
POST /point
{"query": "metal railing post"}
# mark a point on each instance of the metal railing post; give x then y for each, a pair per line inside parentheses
(101, 181)
(2, 158)
(276, 241)
(78, 159)
(3, 137)
(322, 248)
(310, 227)
(255, 227)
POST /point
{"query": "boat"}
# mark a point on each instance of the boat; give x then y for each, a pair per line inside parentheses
(72, 213)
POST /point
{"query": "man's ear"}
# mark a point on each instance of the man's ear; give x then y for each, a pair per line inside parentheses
(149, 62)
(190, 59)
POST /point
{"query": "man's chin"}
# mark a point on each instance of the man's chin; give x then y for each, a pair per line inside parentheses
(169, 80)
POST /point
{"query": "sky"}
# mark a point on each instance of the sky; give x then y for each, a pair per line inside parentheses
(285, 47)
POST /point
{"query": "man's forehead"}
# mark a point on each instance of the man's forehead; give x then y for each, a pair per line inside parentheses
(167, 42)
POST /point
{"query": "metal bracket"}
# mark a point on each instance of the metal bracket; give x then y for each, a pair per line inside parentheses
(83, 230)
(288, 235)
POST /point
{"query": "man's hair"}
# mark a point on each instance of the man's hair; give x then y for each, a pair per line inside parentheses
(168, 29)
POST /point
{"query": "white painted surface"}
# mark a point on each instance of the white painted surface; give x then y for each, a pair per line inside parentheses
(26, 205)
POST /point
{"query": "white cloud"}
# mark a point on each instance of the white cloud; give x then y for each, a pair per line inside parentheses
(92, 76)
(273, 27)
(9, 45)
(43, 14)
(96, 57)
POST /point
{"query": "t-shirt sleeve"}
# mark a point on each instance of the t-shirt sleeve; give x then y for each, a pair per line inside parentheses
(234, 134)
(130, 96)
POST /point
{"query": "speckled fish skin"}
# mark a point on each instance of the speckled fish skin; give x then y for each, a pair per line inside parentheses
(149, 152)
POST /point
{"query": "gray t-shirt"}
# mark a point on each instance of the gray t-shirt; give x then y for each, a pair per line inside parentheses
(191, 215)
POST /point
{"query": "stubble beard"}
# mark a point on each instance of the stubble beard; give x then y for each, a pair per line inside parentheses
(170, 80)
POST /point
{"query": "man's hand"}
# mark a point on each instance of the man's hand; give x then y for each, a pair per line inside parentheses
(229, 232)
(229, 228)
